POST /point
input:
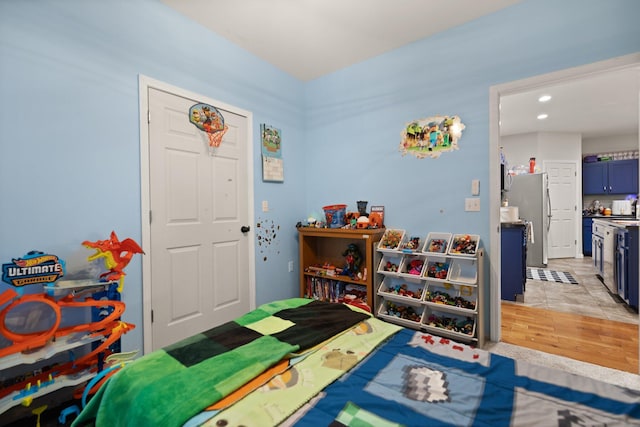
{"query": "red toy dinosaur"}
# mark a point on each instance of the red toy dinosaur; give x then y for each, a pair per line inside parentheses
(116, 256)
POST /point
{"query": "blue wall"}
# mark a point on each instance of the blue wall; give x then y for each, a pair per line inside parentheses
(355, 116)
(69, 133)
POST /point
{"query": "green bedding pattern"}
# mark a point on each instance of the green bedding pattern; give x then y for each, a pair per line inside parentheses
(170, 385)
(287, 392)
(354, 416)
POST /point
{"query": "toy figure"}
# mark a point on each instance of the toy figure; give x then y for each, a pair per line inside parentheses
(353, 260)
(389, 266)
(412, 244)
(116, 254)
(415, 267)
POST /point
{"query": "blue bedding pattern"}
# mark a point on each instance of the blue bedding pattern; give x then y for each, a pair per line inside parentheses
(416, 379)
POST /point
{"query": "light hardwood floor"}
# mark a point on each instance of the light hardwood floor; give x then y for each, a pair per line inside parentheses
(598, 341)
(582, 322)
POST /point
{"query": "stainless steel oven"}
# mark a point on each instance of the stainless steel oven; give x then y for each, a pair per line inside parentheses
(603, 249)
(597, 243)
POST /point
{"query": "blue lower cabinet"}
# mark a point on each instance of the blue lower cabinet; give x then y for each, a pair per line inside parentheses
(632, 267)
(513, 274)
(587, 225)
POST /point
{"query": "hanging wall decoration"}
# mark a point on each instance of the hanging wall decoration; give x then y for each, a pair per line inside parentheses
(208, 119)
(431, 137)
(272, 164)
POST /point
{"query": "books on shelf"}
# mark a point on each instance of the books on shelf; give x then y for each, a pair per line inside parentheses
(332, 290)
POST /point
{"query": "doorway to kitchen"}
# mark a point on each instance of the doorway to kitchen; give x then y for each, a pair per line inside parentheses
(583, 73)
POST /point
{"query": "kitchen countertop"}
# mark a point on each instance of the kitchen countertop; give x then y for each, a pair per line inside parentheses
(512, 224)
(625, 221)
(630, 217)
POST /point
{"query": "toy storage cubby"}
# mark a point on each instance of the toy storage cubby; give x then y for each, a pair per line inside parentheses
(447, 293)
(321, 257)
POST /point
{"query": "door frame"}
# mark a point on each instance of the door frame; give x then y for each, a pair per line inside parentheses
(144, 84)
(495, 92)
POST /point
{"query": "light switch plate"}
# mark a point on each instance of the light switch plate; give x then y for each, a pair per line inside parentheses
(472, 204)
(475, 187)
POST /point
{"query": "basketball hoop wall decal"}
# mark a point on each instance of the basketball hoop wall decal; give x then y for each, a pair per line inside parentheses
(208, 119)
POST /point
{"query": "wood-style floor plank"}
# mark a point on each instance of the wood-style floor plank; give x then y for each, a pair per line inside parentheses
(601, 342)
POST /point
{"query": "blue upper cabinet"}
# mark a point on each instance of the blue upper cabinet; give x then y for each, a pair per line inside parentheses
(623, 176)
(595, 178)
(613, 177)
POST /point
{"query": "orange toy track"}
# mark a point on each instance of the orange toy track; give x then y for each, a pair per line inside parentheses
(110, 327)
(24, 342)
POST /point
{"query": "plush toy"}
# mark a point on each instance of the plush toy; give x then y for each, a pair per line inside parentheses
(362, 222)
(375, 220)
(351, 218)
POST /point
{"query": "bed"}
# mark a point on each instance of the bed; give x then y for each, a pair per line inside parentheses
(310, 363)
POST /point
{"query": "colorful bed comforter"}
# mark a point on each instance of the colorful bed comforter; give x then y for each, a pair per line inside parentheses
(169, 386)
(356, 371)
(421, 380)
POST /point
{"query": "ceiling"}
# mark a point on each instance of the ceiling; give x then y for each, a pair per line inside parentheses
(311, 38)
(597, 106)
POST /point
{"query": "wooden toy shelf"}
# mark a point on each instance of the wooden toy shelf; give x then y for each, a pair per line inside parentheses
(325, 246)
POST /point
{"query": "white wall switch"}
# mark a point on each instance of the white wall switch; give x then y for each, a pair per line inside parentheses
(265, 206)
(290, 266)
(475, 187)
(472, 204)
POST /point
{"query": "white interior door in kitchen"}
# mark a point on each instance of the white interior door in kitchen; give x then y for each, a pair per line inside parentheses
(564, 208)
(199, 215)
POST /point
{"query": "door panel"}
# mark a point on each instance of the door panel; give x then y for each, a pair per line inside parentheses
(184, 300)
(226, 268)
(199, 201)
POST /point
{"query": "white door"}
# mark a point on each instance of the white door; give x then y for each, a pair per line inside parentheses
(562, 192)
(198, 203)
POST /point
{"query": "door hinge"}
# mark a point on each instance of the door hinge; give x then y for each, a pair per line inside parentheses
(148, 116)
(149, 217)
(151, 316)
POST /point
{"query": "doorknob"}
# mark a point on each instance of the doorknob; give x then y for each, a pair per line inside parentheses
(245, 228)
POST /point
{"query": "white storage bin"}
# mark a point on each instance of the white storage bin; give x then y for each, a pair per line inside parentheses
(451, 297)
(437, 269)
(463, 270)
(410, 244)
(412, 265)
(437, 243)
(401, 289)
(464, 244)
(390, 263)
(453, 325)
(408, 315)
(391, 239)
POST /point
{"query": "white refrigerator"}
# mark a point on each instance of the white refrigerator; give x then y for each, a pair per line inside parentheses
(530, 193)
